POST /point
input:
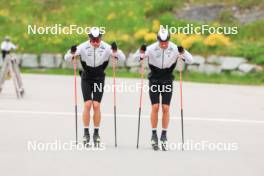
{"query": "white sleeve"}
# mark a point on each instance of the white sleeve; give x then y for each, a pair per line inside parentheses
(137, 54)
(13, 46)
(68, 56)
(120, 55)
(188, 57)
(108, 53)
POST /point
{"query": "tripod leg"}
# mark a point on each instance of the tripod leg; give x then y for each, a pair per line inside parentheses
(3, 73)
(18, 77)
(14, 78)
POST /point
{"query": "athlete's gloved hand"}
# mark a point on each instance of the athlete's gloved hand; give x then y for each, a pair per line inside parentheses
(114, 46)
(114, 49)
(180, 49)
(143, 49)
(73, 49)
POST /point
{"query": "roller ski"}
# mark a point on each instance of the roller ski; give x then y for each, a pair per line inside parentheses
(96, 140)
(154, 142)
(164, 142)
(86, 140)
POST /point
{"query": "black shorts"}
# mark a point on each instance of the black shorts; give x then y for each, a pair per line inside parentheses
(163, 89)
(92, 89)
(4, 53)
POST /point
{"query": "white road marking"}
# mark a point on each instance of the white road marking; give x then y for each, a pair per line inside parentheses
(49, 113)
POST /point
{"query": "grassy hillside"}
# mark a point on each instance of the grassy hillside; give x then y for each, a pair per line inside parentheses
(128, 22)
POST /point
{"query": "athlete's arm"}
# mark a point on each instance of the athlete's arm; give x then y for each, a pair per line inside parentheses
(14, 47)
(73, 51)
(141, 53)
(117, 53)
(185, 55)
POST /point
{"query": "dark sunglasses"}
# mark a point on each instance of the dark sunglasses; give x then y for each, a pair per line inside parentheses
(95, 40)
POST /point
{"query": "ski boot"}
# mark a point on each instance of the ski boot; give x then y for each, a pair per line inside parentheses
(22, 92)
(154, 142)
(96, 140)
(164, 142)
(86, 140)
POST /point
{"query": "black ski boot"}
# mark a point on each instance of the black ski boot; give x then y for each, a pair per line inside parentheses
(86, 140)
(22, 92)
(96, 140)
(154, 142)
(164, 142)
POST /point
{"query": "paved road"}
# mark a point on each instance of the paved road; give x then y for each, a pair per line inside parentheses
(214, 114)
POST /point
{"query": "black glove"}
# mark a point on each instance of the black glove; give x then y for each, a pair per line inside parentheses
(181, 49)
(73, 49)
(114, 46)
(143, 47)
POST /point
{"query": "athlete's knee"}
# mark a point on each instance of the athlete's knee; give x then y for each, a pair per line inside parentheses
(155, 107)
(88, 104)
(96, 106)
(165, 108)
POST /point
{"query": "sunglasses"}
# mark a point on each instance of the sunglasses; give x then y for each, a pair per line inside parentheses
(164, 43)
(95, 40)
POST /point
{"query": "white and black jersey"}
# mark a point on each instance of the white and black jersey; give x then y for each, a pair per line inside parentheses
(162, 62)
(94, 60)
(6, 47)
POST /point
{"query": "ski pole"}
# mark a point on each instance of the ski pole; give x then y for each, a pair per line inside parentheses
(140, 100)
(182, 127)
(75, 98)
(181, 50)
(114, 81)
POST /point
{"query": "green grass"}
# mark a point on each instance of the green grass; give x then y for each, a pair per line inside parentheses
(129, 16)
(225, 78)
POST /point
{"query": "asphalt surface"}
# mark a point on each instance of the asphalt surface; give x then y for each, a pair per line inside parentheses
(213, 114)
